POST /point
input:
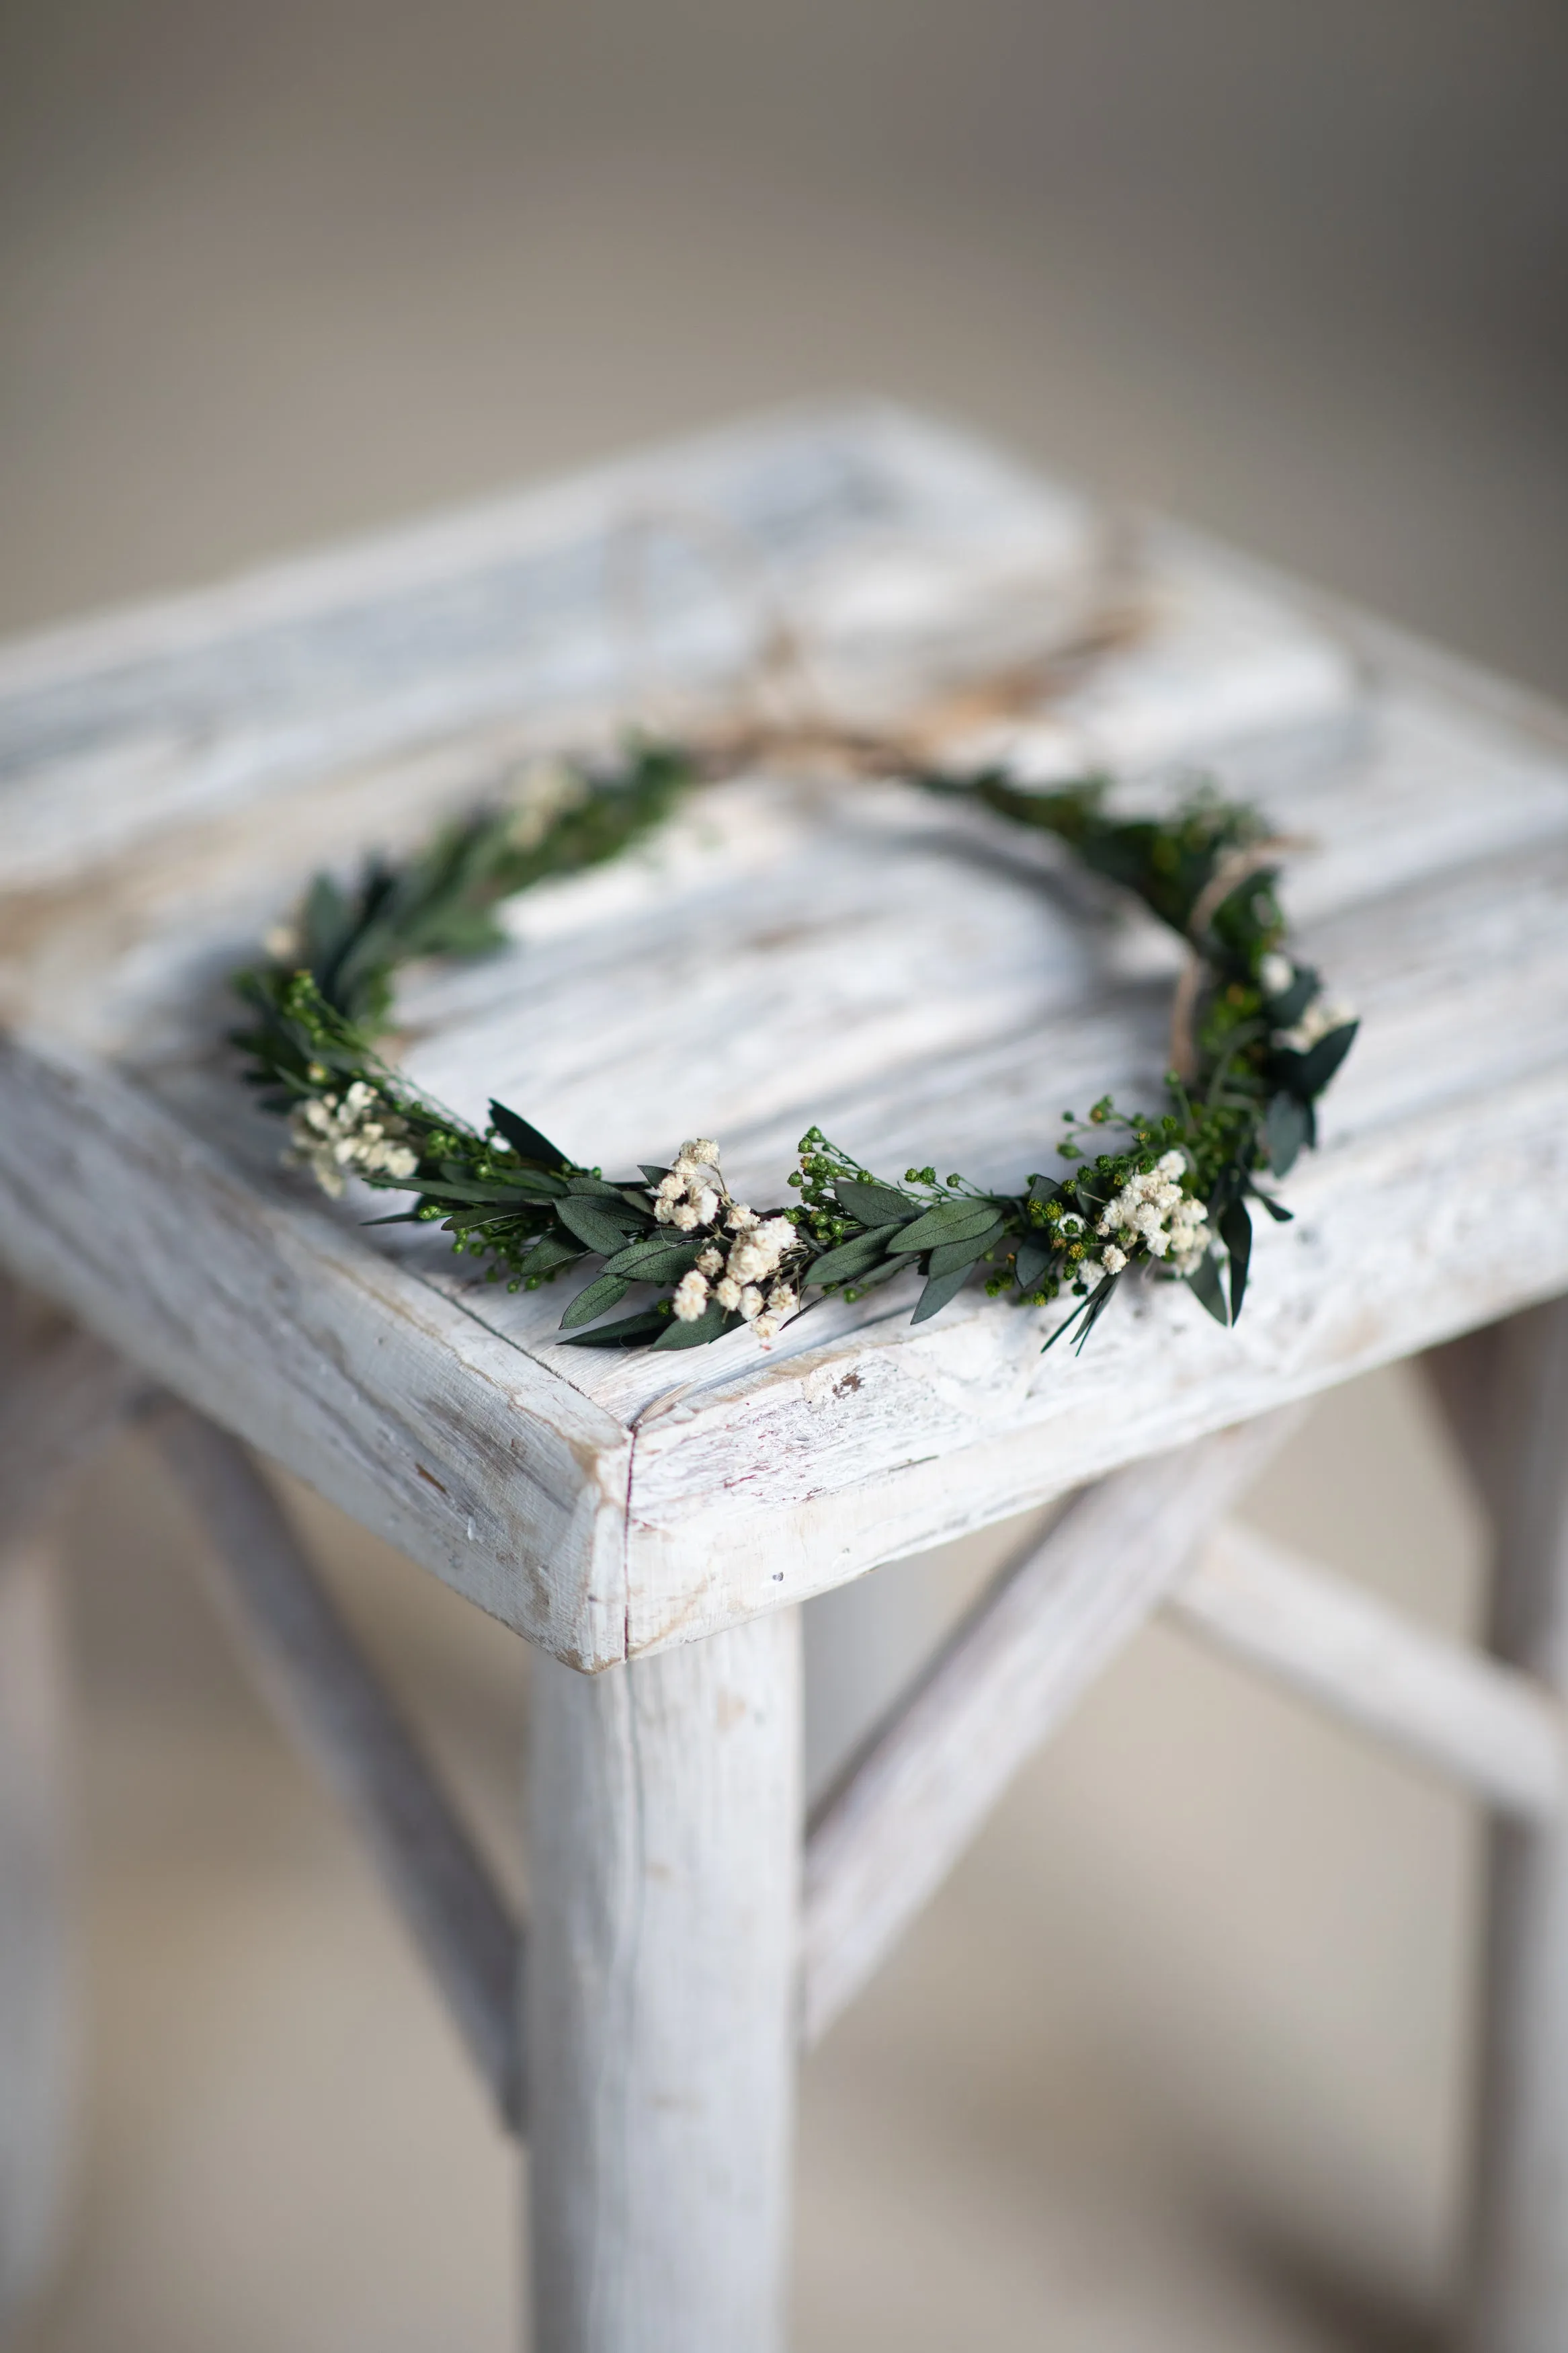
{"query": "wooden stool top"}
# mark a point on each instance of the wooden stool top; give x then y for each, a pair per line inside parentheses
(859, 956)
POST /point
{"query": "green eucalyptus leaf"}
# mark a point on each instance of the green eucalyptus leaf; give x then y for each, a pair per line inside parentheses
(656, 1258)
(524, 1139)
(1034, 1256)
(1205, 1286)
(1322, 1060)
(483, 1221)
(1284, 1132)
(597, 1299)
(1277, 1209)
(593, 1223)
(468, 1190)
(550, 1251)
(884, 1273)
(949, 1221)
(1235, 1233)
(631, 1331)
(847, 1261)
(711, 1325)
(535, 1184)
(873, 1205)
(949, 1258)
(939, 1290)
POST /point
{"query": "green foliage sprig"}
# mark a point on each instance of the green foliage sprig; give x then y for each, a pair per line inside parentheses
(1258, 1041)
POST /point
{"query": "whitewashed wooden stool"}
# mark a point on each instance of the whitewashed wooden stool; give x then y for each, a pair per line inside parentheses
(870, 959)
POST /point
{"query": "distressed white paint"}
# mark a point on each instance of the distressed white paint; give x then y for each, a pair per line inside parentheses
(1486, 1726)
(1519, 2273)
(914, 977)
(895, 543)
(885, 1840)
(386, 1396)
(313, 1675)
(664, 1801)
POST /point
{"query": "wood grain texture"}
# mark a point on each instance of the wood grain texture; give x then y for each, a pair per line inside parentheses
(388, 1398)
(665, 1856)
(903, 971)
(1518, 2283)
(317, 1682)
(883, 1841)
(1484, 1725)
(885, 531)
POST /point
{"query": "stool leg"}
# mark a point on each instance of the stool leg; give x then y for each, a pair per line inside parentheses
(38, 2012)
(660, 2006)
(1518, 2278)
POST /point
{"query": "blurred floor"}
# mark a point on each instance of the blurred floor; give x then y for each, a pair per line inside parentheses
(1176, 2060)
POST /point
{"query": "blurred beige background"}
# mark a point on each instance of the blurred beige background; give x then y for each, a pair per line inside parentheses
(1177, 2060)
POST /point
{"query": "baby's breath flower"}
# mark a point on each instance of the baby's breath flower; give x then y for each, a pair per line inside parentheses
(727, 1292)
(757, 1250)
(1276, 973)
(1152, 1208)
(354, 1135)
(711, 1264)
(751, 1302)
(690, 1296)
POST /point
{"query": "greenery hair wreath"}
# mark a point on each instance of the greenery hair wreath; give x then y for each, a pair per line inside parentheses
(1255, 1040)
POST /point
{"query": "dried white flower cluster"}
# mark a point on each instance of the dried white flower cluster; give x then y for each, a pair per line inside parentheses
(1275, 972)
(1323, 1014)
(746, 1252)
(1151, 1209)
(352, 1134)
(692, 1193)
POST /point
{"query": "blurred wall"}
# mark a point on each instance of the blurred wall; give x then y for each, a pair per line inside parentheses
(1178, 2059)
(1299, 270)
